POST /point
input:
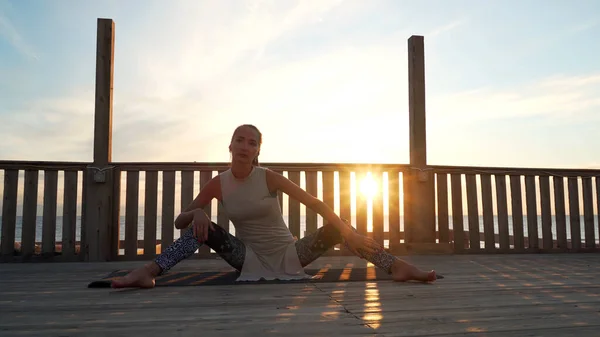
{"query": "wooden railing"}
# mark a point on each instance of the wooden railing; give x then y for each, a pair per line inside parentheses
(47, 225)
(518, 210)
(489, 210)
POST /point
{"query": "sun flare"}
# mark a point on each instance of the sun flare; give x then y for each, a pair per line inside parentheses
(368, 186)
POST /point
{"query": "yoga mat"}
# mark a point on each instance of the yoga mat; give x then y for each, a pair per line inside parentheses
(206, 278)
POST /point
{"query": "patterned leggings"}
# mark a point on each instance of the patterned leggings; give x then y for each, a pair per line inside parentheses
(233, 250)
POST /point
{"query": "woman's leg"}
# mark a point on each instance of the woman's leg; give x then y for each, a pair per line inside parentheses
(230, 248)
(314, 245)
(310, 247)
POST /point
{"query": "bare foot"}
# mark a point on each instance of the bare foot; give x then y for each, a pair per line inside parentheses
(402, 272)
(142, 277)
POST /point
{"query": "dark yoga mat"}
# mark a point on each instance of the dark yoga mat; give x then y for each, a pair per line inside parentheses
(192, 278)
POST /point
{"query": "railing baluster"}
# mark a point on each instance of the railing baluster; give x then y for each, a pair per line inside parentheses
(517, 212)
(559, 208)
(574, 219)
(9, 212)
(83, 250)
(328, 190)
(502, 213)
(378, 207)
(442, 198)
(114, 232)
(547, 240)
(488, 213)
(294, 206)
(150, 213)
(588, 213)
(532, 215)
(131, 214)
(69, 226)
(328, 196)
(205, 177)
(598, 204)
(49, 213)
(457, 213)
(168, 210)
(361, 204)
(473, 213)
(29, 213)
(187, 192)
(394, 209)
(311, 188)
(345, 201)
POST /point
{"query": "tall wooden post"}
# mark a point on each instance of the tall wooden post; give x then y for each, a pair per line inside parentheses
(99, 176)
(418, 183)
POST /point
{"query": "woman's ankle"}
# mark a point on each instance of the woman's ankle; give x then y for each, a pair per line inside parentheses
(153, 268)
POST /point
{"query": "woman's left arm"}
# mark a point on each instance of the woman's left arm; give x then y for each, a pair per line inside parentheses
(276, 181)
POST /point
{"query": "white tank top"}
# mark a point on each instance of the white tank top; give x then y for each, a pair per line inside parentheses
(258, 221)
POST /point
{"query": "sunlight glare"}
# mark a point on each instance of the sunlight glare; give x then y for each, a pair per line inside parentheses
(368, 186)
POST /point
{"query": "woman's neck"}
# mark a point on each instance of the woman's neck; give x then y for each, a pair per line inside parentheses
(241, 171)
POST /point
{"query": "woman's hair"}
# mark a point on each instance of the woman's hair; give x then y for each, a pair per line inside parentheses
(258, 133)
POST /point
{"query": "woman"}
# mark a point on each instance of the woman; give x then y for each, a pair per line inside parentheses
(263, 247)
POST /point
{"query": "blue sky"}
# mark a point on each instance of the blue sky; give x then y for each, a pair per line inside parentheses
(509, 83)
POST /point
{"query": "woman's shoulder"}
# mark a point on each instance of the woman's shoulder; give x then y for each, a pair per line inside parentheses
(267, 173)
(261, 169)
(222, 173)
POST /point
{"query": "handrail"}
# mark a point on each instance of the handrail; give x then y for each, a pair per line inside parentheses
(125, 166)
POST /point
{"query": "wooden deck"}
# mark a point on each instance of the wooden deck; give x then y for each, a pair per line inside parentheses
(483, 295)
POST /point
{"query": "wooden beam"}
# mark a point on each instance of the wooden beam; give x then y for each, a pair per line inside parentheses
(419, 192)
(99, 176)
(105, 53)
(416, 101)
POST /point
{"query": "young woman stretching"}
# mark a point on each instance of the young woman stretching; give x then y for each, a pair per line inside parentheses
(263, 246)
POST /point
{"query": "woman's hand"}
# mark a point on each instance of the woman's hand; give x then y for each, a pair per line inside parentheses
(200, 225)
(356, 241)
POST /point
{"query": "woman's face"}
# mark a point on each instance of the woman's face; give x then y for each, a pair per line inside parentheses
(244, 145)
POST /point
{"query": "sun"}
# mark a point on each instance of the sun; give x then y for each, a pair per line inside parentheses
(368, 186)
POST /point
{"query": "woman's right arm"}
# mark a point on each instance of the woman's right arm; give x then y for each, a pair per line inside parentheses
(210, 191)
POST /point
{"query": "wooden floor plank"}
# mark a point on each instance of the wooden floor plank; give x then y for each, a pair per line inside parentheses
(486, 295)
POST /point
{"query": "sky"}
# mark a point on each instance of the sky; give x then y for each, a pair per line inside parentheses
(508, 83)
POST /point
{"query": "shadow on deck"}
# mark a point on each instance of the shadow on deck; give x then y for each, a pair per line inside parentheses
(488, 295)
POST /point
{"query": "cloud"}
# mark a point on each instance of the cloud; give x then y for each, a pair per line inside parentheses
(539, 45)
(556, 97)
(62, 128)
(200, 46)
(582, 27)
(565, 82)
(445, 28)
(10, 33)
(548, 122)
(50, 129)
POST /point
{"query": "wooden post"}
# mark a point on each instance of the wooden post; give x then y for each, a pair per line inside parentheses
(100, 176)
(419, 184)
